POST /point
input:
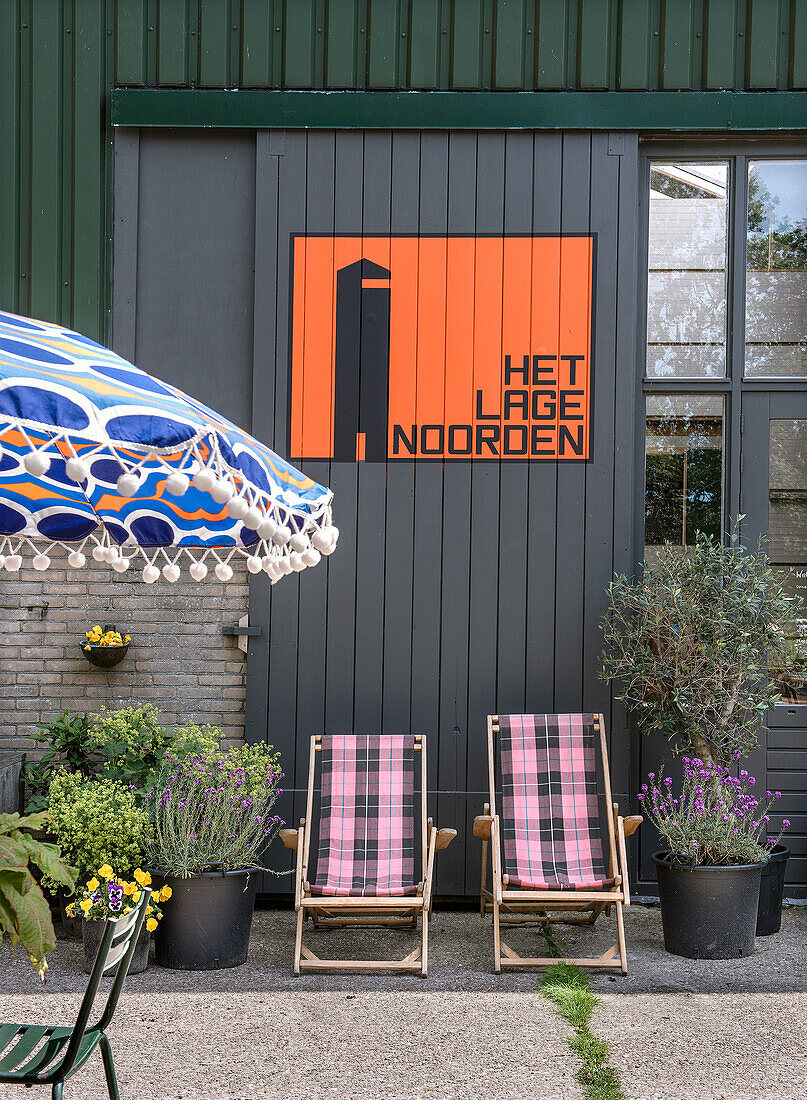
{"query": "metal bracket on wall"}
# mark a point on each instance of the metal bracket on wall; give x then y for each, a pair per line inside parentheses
(242, 631)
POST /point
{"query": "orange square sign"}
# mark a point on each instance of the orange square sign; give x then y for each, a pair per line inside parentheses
(442, 347)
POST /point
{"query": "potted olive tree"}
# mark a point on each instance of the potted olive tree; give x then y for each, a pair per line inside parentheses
(690, 644)
(211, 816)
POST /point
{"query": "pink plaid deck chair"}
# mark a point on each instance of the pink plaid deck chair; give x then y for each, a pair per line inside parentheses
(547, 850)
(365, 870)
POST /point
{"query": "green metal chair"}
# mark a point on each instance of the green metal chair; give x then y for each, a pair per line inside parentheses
(36, 1054)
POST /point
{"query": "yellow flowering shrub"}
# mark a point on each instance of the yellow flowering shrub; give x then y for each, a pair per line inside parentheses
(97, 823)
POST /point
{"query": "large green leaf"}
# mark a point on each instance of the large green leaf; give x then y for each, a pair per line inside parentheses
(32, 919)
(10, 822)
(13, 854)
(48, 858)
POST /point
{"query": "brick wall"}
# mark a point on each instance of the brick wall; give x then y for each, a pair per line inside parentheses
(179, 659)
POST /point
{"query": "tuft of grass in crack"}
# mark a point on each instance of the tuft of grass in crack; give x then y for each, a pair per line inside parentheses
(568, 989)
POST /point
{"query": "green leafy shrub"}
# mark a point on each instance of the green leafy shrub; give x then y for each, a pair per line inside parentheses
(97, 822)
(67, 746)
(24, 912)
(692, 641)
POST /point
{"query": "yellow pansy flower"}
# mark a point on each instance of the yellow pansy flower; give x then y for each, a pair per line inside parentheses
(165, 893)
(70, 909)
(106, 871)
(143, 877)
(136, 895)
(88, 647)
(93, 884)
(149, 910)
(151, 924)
(85, 905)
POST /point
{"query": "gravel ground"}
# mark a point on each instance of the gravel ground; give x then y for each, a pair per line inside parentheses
(679, 1029)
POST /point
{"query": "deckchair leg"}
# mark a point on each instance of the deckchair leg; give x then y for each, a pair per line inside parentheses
(484, 876)
(109, 1069)
(424, 950)
(298, 941)
(497, 943)
(620, 927)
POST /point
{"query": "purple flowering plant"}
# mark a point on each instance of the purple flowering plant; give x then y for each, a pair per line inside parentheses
(717, 818)
(213, 811)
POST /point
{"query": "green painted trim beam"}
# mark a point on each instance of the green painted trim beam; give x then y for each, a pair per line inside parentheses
(352, 110)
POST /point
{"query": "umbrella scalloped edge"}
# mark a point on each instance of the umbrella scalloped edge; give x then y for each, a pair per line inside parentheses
(277, 537)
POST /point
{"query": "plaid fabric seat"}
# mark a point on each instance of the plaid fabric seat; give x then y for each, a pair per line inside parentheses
(550, 815)
(367, 817)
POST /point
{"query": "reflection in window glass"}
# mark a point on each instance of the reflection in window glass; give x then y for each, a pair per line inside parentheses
(787, 523)
(787, 513)
(686, 282)
(683, 469)
(776, 279)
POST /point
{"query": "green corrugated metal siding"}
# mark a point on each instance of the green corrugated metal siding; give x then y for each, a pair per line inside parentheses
(59, 57)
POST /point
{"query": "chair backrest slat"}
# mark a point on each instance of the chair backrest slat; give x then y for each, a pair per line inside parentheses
(124, 932)
(550, 808)
(367, 817)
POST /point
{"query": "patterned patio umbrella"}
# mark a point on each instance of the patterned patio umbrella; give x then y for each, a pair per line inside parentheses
(99, 457)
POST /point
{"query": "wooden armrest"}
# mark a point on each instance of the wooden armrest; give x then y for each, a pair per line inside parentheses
(289, 838)
(444, 838)
(631, 824)
(482, 826)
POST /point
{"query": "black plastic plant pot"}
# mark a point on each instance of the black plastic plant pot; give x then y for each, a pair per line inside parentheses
(771, 890)
(104, 656)
(207, 920)
(92, 933)
(708, 912)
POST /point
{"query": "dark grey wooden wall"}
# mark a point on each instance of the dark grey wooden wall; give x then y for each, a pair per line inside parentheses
(456, 591)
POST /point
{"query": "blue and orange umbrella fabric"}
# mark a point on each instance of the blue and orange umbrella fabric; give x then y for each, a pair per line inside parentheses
(102, 458)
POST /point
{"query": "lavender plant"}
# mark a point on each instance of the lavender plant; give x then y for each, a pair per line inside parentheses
(213, 812)
(717, 820)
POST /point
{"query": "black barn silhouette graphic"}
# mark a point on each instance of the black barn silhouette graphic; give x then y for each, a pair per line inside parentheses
(361, 363)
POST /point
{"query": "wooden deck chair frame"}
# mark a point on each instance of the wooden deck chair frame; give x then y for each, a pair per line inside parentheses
(349, 912)
(516, 905)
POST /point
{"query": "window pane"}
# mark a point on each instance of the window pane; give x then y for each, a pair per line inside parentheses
(686, 281)
(776, 280)
(787, 523)
(787, 512)
(683, 469)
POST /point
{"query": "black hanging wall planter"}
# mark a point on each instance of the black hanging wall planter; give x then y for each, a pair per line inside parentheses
(105, 656)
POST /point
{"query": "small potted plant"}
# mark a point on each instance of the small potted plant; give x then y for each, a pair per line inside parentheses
(96, 822)
(709, 875)
(210, 819)
(105, 647)
(691, 644)
(108, 897)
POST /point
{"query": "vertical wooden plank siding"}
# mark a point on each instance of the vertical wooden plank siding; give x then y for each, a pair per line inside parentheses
(513, 44)
(424, 34)
(372, 480)
(46, 166)
(343, 45)
(383, 38)
(453, 725)
(11, 141)
(257, 43)
(765, 33)
(467, 46)
(595, 44)
(723, 45)
(131, 24)
(627, 465)
(173, 42)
